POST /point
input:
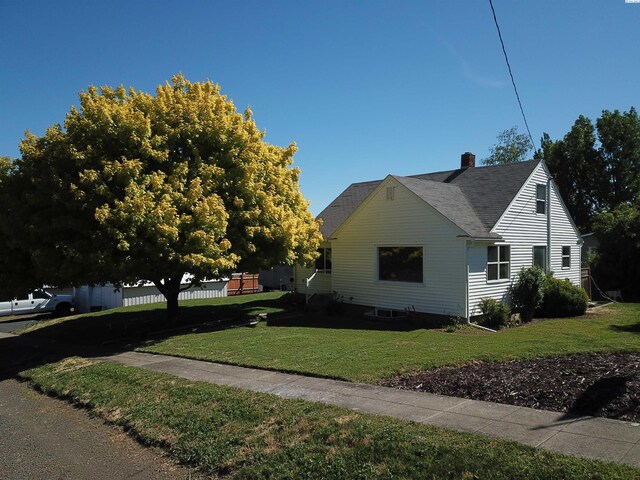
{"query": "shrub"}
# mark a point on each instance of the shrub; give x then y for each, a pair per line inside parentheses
(495, 314)
(562, 299)
(455, 323)
(527, 292)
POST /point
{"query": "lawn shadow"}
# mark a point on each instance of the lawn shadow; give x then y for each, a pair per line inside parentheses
(634, 328)
(599, 395)
(111, 332)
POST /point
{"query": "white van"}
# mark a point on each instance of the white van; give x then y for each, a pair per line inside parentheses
(38, 301)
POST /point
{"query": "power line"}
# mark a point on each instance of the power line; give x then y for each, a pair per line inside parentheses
(513, 82)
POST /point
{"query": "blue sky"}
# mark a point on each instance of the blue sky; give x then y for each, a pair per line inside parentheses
(365, 88)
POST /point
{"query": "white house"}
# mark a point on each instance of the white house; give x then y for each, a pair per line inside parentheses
(438, 243)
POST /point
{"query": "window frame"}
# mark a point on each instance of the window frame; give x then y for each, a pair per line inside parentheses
(564, 256)
(533, 257)
(323, 257)
(403, 282)
(499, 262)
(541, 201)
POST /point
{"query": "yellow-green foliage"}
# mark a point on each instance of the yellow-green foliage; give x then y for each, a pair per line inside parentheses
(140, 186)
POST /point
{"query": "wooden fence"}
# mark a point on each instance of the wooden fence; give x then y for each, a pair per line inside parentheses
(585, 280)
(242, 283)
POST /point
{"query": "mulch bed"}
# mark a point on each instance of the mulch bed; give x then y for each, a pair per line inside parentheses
(606, 385)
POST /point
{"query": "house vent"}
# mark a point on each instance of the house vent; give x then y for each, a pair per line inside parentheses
(391, 193)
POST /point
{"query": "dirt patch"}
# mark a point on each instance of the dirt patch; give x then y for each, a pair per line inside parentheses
(606, 385)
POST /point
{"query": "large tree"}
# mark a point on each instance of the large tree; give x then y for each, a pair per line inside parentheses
(137, 186)
(512, 147)
(617, 263)
(597, 168)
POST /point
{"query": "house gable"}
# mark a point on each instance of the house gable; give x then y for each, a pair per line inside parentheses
(444, 192)
(523, 229)
(487, 192)
(399, 218)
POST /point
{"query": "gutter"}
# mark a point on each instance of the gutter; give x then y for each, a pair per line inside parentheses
(549, 179)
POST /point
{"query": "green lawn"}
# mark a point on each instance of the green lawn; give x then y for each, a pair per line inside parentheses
(341, 347)
(327, 346)
(232, 433)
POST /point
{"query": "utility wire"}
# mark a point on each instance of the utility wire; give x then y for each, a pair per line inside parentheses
(513, 82)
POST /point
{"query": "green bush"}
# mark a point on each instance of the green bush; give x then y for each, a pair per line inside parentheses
(495, 314)
(562, 299)
(527, 292)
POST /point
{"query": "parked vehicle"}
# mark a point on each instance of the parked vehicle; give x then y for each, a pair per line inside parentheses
(37, 301)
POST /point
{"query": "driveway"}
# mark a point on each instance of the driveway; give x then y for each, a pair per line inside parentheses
(44, 438)
(18, 322)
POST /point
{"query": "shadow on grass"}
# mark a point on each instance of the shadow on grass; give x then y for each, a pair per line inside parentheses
(634, 328)
(106, 333)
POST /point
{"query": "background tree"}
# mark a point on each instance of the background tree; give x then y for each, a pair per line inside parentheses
(143, 187)
(617, 265)
(577, 170)
(597, 170)
(596, 173)
(512, 147)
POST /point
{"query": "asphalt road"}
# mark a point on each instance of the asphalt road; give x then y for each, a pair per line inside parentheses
(13, 324)
(45, 438)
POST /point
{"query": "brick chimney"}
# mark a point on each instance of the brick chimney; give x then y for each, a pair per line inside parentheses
(467, 160)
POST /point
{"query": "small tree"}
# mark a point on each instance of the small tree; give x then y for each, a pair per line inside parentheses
(512, 147)
(151, 187)
(527, 292)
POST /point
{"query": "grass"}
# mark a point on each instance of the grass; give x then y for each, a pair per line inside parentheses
(144, 320)
(361, 351)
(233, 433)
(341, 347)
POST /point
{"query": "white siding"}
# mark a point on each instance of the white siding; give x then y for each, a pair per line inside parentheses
(522, 228)
(320, 283)
(98, 297)
(106, 297)
(404, 221)
(150, 294)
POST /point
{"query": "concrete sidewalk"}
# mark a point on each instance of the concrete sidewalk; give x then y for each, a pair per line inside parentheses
(590, 437)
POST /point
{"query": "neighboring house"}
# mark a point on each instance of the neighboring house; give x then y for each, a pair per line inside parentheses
(589, 248)
(440, 242)
(105, 297)
(279, 277)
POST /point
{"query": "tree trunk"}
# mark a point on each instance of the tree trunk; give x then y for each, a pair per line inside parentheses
(172, 306)
(170, 288)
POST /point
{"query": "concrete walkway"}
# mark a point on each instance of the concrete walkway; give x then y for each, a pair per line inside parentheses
(590, 437)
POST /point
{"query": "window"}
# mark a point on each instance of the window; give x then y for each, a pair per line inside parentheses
(40, 294)
(391, 193)
(541, 198)
(323, 262)
(566, 257)
(498, 262)
(400, 264)
(540, 257)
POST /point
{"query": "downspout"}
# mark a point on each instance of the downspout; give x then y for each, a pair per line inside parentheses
(548, 269)
(466, 281)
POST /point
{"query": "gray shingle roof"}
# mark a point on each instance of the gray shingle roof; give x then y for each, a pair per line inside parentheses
(472, 198)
